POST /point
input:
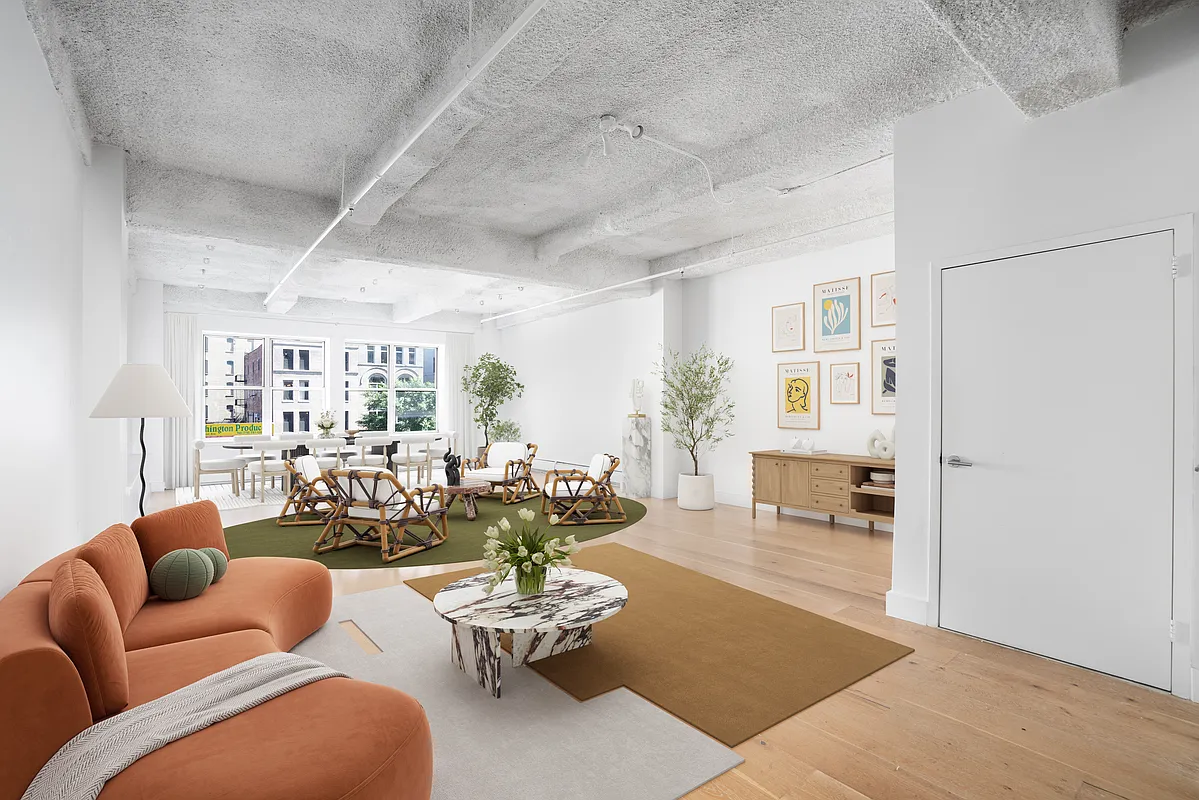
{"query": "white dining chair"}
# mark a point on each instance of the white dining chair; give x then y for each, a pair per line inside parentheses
(249, 454)
(364, 458)
(328, 451)
(213, 466)
(414, 451)
(269, 463)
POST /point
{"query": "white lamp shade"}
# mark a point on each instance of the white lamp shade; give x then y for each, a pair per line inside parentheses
(141, 390)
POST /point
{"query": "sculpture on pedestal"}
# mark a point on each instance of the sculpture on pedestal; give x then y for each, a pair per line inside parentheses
(453, 468)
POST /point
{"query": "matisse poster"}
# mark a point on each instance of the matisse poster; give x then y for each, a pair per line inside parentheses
(838, 311)
(883, 303)
(883, 357)
(799, 395)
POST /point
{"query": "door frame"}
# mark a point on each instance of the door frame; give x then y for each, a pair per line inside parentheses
(1184, 677)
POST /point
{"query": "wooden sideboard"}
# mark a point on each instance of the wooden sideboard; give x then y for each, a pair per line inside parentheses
(827, 483)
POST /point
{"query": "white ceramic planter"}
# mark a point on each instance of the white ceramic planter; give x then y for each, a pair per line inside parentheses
(697, 493)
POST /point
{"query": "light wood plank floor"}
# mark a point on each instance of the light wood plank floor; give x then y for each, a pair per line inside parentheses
(959, 718)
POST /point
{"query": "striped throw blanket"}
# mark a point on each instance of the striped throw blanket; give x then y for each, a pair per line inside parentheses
(79, 770)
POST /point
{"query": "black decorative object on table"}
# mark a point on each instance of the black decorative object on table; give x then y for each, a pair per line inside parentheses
(453, 469)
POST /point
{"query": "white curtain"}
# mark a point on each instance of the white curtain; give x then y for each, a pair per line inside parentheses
(181, 348)
(459, 349)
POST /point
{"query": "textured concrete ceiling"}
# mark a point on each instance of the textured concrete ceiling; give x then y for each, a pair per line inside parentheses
(243, 121)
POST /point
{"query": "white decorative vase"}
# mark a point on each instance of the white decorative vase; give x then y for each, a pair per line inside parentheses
(697, 492)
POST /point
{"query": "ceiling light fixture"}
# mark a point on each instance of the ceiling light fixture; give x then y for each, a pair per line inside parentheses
(472, 74)
(609, 124)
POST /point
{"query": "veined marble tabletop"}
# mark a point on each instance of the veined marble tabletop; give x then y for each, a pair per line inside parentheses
(542, 625)
(572, 598)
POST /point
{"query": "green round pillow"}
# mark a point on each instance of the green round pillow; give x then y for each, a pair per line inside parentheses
(181, 575)
(220, 562)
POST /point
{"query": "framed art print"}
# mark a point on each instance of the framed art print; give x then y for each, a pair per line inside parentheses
(787, 327)
(882, 299)
(837, 323)
(843, 381)
(799, 395)
(882, 357)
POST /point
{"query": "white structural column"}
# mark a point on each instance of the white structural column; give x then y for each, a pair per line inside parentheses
(146, 336)
(105, 469)
(665, 469)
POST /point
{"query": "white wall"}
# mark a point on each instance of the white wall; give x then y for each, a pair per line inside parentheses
(104, 483)
(973, 175)
(731, 312)
(577, 369)
(40, 226)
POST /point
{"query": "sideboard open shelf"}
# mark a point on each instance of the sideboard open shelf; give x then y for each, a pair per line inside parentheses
(826, 483)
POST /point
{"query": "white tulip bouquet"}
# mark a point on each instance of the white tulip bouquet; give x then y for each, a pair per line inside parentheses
(528, 552)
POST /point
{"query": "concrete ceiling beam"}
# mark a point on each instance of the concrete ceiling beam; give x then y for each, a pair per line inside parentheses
(551, 37)
(414, 307)
(200, 205)
(1044, 56)
(43, 17)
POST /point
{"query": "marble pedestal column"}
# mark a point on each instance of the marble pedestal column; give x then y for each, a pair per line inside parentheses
(635, 459)
(477, 652)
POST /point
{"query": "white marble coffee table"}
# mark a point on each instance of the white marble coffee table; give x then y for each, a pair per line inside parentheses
(557, 620)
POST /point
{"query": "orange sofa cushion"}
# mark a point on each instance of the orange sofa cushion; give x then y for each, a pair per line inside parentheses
(289, 598)
(193, 525)
(157, 671)
(42, 701)
(336, 738)
(84, 622)
(117, 559)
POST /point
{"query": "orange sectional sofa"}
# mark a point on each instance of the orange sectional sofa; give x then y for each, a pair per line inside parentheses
(336, 738)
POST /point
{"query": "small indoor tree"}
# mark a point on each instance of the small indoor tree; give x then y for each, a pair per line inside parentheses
(490, 382)
(696, 409)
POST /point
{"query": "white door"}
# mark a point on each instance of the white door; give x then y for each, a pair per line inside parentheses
(1057, 402)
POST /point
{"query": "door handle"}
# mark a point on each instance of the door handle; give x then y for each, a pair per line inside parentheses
(955, 461)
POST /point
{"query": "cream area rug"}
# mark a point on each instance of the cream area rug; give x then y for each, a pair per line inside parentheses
(222, 494)
(537, 742)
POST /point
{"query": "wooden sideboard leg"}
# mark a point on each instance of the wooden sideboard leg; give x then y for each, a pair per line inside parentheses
(753, 509)
(778, 511)
(872, 526)
(832, 519)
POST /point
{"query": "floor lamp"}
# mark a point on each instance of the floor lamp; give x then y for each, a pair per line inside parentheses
(141, 391)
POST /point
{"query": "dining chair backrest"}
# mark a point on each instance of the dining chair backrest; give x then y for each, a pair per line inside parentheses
(300, 436)
(381, 440)
(253, 439)
(414, 438)
(323, 445)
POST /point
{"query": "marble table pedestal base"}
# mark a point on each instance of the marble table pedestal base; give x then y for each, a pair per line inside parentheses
(477, 652)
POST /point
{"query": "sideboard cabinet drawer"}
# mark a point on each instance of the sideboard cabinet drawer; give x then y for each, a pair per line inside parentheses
(826, 503)
(826, 486)
(825, 470)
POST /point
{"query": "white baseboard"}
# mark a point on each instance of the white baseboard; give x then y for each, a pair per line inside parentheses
(903, 606)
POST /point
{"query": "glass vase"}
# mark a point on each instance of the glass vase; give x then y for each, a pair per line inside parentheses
(532, 582)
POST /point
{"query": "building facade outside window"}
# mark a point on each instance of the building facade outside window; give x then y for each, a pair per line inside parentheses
(384, 394)
(232, 385)
(247, 388)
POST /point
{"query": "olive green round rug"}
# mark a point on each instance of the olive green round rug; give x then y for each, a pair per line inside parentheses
(265, 538)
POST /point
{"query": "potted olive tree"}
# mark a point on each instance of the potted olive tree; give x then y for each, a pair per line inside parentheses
(698, 414)
(490, 383)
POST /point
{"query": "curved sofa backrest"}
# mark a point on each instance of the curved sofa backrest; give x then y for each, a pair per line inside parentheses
(41, 693)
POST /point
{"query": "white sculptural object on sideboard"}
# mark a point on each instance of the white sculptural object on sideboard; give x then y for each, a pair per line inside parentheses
(880, 446)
